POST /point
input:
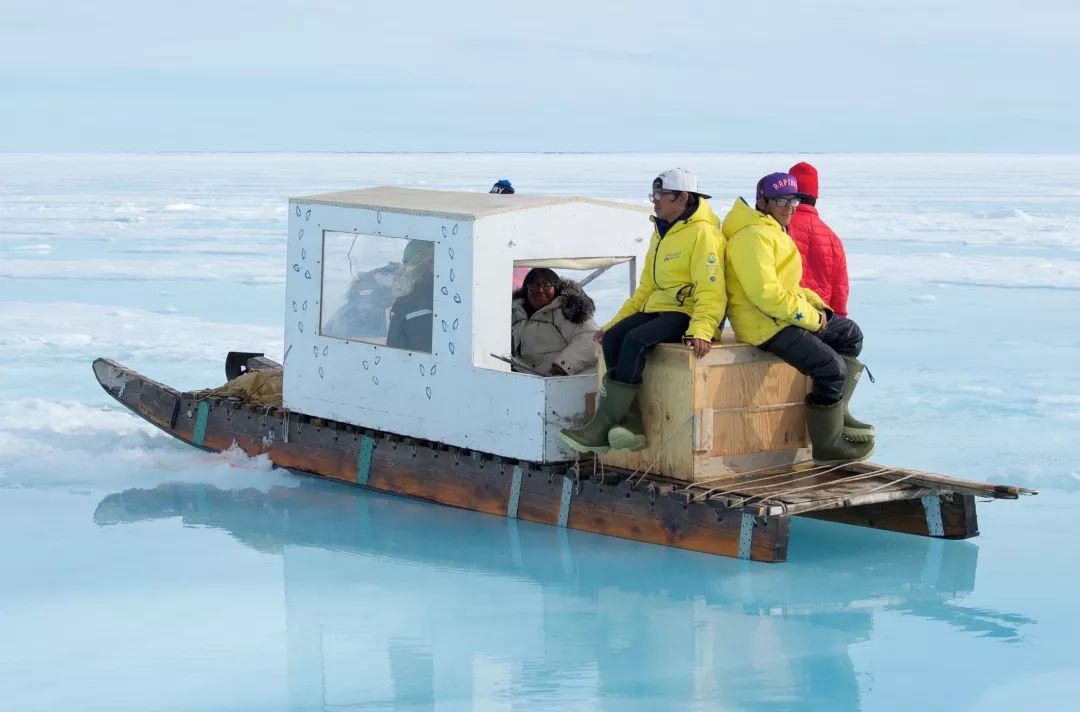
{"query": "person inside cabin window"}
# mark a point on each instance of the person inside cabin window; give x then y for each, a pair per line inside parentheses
(551, 326)
(680, 297)
(363, 315)
(769, 309)
(414, 288)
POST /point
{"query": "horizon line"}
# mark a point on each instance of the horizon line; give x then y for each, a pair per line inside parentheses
(533, 153)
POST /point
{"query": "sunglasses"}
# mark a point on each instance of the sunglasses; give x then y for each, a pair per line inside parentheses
(541, 287)
(785, 202)
(657, 194)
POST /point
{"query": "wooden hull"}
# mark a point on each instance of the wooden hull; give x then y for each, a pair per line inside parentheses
(564, 495)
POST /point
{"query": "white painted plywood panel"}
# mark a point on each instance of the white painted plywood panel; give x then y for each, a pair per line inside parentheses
(457, 205)
(439, 396)
(564, 407)
(493, 412)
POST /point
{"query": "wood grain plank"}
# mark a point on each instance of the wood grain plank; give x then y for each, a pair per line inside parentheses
(744, 385)
(746, 432)
(669, 521)
(908, 516)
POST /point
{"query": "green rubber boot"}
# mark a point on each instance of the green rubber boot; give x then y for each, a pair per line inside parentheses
(854, 429)
(630, 433)
(825, 424)
(612, 402)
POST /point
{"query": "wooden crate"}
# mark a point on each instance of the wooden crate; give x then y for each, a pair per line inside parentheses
(737, 409)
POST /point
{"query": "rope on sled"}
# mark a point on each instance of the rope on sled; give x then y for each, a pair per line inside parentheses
(828, 502)
(811, 472)
(648, 466)
(656, 460)
(818, 486)
(764, 492)
(766, 487)
(744, 488)
(767, 468)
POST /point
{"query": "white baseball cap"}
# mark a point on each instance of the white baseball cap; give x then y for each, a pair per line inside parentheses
(678, 179)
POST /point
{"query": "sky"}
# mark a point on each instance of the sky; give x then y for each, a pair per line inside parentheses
(557, 75)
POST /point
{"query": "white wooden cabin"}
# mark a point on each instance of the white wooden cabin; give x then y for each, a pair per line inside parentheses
(347, 249)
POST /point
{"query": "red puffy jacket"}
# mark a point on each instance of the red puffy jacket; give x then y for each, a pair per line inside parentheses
(823, 258)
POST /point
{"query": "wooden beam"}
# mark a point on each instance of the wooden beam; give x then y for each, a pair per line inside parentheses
(909, 516)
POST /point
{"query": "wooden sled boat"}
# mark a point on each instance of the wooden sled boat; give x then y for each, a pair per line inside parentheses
(740, 519)
(429, 407)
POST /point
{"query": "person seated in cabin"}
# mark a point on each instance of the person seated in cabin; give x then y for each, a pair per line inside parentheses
(768, 308)
(363, 315)
(680, 297)
(551, 326)
(411, 315)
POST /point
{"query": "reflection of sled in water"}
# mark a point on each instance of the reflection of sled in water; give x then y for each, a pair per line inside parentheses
(914, 574)
(335, 544)
(449, 421)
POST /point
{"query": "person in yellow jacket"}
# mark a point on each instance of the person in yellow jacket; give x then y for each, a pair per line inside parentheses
(680, 297)
(768, 308)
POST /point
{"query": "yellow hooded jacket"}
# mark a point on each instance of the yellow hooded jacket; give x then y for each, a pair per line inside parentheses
(763, 270)
(684, 272)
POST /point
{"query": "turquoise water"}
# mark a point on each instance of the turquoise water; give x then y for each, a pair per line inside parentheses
(298, 594)
(139, 574)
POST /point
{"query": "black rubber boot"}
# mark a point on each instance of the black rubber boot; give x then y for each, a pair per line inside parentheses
(630, 433)
(854, 429)
(612, 402)
(825, 424)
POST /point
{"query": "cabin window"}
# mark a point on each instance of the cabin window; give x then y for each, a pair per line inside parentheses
(608, 281)
(609, 285)
(378, 290)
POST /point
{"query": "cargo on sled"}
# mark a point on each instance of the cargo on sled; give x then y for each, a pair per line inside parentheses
(396, 376)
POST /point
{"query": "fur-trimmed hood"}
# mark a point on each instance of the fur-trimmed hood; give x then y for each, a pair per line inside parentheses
(577, 306)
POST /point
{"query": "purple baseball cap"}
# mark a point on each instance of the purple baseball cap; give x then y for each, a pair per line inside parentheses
(776, 184)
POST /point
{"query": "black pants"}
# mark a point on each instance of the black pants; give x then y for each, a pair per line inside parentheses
(627, 343)
(819, 355)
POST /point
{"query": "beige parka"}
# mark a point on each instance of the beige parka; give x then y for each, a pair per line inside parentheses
(560, 333)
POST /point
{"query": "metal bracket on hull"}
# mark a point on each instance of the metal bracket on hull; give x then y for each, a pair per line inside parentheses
(564, 502)
(932, 506)
(746, 535)
(202, 412)
(515, 494)
(363, 460)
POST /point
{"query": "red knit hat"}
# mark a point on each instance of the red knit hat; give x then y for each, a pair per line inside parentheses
(806, 175)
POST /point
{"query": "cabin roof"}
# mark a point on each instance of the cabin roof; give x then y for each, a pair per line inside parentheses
(459, 205)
